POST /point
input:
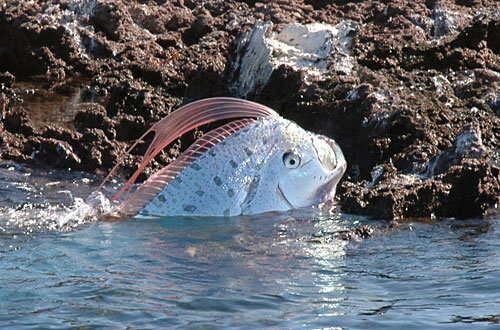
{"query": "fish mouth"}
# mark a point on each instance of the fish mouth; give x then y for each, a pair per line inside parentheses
(283, 197)
(327, 191)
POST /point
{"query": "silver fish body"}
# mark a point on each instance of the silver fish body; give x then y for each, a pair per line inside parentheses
(271, 164)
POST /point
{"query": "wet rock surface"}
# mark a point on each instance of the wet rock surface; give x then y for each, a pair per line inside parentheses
(417, 114)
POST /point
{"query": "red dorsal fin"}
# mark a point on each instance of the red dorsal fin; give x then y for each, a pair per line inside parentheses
(185, 119)
(158, 181)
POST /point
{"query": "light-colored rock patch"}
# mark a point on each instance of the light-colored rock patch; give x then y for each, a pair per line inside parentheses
(314, 49)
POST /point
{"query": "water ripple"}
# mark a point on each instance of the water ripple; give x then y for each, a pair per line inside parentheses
(61, 268)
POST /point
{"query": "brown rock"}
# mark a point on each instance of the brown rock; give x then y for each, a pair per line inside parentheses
(52, 152)
(18, 122)
(418, 118)
(95, 117)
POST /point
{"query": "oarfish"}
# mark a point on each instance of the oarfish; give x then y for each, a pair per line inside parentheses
(259, 162)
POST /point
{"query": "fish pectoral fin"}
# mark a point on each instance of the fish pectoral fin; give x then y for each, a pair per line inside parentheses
(251, 193)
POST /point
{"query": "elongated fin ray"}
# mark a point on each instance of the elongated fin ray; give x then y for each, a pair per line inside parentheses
(158, 181)
(183, 120)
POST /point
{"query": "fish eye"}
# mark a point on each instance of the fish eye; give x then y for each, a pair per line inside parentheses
(291, 159)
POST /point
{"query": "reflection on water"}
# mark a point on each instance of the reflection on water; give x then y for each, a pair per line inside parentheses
(275, 271)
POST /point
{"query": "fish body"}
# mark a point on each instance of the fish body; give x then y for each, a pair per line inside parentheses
(248, 166)
(247, 173)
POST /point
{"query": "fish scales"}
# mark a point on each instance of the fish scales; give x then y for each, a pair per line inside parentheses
(217, 182)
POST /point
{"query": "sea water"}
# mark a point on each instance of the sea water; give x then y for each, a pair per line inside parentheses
(63, 267)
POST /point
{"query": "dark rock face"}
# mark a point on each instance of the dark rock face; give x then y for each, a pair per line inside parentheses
(53, 152)
(418, 116)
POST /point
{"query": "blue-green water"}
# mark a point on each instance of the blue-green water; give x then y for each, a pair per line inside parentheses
(60, 268)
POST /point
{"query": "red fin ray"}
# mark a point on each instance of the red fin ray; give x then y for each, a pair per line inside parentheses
(158, 181)
(183, 120)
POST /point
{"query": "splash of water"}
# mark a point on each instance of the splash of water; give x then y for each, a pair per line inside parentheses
(35, 217)
(35, 201)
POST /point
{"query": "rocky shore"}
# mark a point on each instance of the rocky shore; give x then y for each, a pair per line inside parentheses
(409, 89)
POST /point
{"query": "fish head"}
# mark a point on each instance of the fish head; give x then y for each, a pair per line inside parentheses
(310, 167)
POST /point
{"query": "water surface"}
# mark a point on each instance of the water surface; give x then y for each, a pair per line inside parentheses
(62, 268)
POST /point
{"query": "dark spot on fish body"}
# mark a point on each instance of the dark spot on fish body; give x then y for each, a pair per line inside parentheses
(200, 193)
(248, 152)
(189, 208)
(227, 212)
(176, 182)
(265, 140)
(230, 192)
(218, 181)
(233, 164)
(162, 198)
(212, 153)
(196, 166)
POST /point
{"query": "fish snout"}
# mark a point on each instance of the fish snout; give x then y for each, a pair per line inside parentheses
(329, 154)
(332, 159)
